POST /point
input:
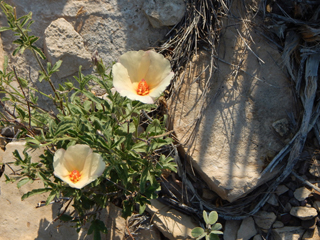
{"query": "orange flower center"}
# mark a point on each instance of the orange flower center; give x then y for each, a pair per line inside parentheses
(75, 176)
(143, 88)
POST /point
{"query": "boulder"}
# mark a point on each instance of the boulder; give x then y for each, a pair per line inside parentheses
(62, 42)
(231, 143)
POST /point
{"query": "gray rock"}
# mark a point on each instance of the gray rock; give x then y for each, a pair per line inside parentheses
(257, 237)
(316, 205)
(281, 189)
(301, 193)
(62, 42)
(247, 229)
(278, 224)
(281, 126)
(312, 234)
(7, 131)
(315, 168)
(172, 223)
(231, 229)
(288, 233)
(273, 200)
(264, 219)
(164, 12)
(304, 213)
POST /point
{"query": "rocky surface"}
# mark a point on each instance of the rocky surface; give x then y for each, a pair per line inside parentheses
(264, 219)
(235, 137)
(288, 233)
(247, 229)
(62, 42)
(304, 213)
(109, 28)
(231, 228)
(301, 193)
(172, 223)
(164, 13)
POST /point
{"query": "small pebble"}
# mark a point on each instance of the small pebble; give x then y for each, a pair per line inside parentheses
(301, 193)
(304, 213)
(7, 132)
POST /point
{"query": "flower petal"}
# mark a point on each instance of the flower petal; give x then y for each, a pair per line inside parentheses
(159, 69)
(59, 169)
(121, 79)
(131, 61)
(94, 166)
(75, 157)
(156, 92)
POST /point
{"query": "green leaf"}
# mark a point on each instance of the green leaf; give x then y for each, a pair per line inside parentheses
(56, 66)
(23, 182)
(216, 226)
(216, 232)
(34, 192)
(205, 216)
(95, 228)
(24, 83)
(197, 232)
(143, 179)
(65, 218)
(50, 197)
(16, 50)
(33, 39)
(38, 51)
(2, 29)
(212, 237)
(63, 127)
(213, 217)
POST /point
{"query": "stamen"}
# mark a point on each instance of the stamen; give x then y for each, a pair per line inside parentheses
(75, 176)
(143, 88)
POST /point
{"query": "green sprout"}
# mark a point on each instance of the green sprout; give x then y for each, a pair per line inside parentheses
(212, 227)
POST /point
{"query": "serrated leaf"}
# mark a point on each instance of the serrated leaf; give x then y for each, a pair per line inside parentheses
(197, 232)
(34, 192)
(213, 217)
(23, 182)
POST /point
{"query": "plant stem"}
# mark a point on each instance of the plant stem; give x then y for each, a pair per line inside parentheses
(25, 97)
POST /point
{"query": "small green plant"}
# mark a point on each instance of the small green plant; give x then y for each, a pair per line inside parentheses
(212, 227)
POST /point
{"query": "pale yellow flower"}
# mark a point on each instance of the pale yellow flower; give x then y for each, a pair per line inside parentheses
(141, 75)
(78, 165)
